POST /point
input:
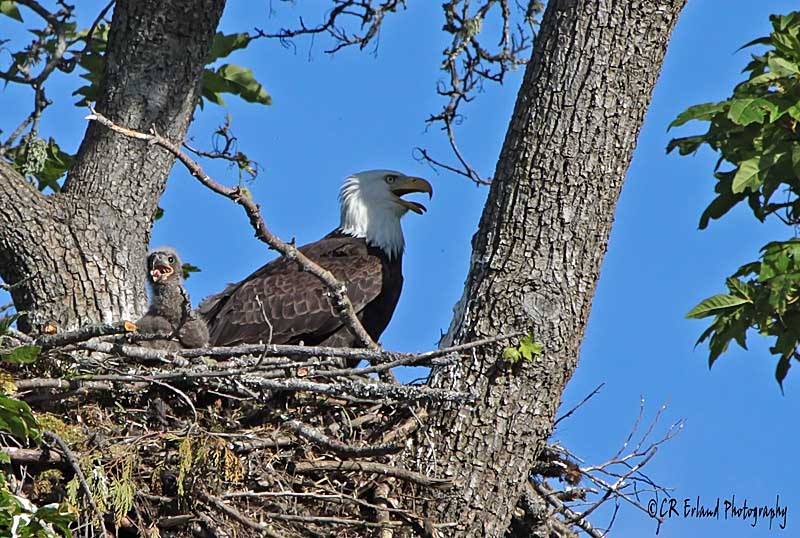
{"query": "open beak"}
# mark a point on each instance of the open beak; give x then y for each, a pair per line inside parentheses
(408, 184)
(160, 272)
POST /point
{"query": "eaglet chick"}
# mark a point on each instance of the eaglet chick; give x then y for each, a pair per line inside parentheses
(170, 313)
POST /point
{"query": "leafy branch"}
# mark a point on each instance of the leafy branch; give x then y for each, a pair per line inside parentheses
(756, 133)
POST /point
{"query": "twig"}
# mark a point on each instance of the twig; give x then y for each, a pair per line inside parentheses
(97, 20)
(372, 467)
(65, 384)
(19, 335)
(468, 64)
(84, 333)
(336, 498)
(302, 352)
(615, 489)
(28, 456)
(233, 513)
(579, 405)
(17, 284)
(367, 14)
(338, 291)
(577, 519)
(328, 520)
(76, 466)
(39, 10)
(343, 449)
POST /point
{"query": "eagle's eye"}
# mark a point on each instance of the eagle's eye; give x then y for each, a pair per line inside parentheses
(171, 259)
(390, 178)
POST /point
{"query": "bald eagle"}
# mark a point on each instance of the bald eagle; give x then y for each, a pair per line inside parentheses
(280, 304)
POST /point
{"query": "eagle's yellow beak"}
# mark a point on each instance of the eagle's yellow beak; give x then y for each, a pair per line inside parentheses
(408, 184)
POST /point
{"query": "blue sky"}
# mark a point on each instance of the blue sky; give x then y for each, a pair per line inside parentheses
(336, 115)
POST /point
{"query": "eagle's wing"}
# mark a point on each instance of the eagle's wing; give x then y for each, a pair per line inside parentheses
(295, 303)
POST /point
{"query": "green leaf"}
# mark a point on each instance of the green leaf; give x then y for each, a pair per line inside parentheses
(242, 83)
(741, 288)
(223, 45)
(782, 369)
(510, 354)
(782, 66)
(17, 419)
(236, 80)
(763, 78)
(55, 166)
(213, 86)
(21, 355)
(702, 112)
(10, 9)
(686, 144)
(747, 269)
(528, 348)
(794, 111)
(718, 207)
(713, 304)
(188, 269)
(747, 176)
(757, 41)
(749, 110)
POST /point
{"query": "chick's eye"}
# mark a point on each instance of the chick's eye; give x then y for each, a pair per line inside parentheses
(390, 179)
(171, 259)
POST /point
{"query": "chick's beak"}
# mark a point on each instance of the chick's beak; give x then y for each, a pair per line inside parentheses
(160, 269)
(408, 184)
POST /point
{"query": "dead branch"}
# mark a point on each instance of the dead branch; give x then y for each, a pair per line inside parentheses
(28, 456)
(468, 63)
(368, 16)
(372, 467)
(580, 404)
(552, 499)
(343, 449)
(619, 479)
(84, 333)
(231, 512)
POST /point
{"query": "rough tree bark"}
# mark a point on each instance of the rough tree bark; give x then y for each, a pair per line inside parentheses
(78, 253)
(542, 237)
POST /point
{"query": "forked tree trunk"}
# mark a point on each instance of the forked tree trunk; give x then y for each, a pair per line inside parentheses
(79, 254)
(537, 254)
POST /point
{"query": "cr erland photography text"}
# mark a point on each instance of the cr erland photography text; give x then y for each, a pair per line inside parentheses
(772, 514)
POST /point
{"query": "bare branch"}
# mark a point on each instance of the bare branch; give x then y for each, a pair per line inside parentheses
(323, 440)
(238, 516)
(468, 63)
(552, 499)
(372, 467)
(368, 16)
(225, 148)
(84, 333)
(579, 405)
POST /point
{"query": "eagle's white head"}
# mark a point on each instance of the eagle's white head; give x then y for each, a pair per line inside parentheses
(372, 205)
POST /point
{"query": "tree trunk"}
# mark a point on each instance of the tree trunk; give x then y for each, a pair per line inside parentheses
(541, 240)
(79, 254)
